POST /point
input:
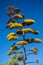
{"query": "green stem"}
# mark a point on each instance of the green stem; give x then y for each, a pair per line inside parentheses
(24, 59)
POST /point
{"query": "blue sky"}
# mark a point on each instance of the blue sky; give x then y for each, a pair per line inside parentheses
(32, 9)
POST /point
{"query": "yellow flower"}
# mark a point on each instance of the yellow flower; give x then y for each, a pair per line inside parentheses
(12, 38)
(17, 10)
(22, 42)
(16, 25)
(34, 50)
(26, 30)
(14, 48)
(11, 34)
(18, 16)
(10, 52)
(37, 40)
(8, 25)
(12, 26)
(11, 7)
(35, 32)
(9, 13)
(28, 22)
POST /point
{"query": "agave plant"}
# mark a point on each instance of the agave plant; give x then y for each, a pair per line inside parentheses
(14, 22)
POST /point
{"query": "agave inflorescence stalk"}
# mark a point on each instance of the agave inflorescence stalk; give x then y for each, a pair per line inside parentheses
(13, 23)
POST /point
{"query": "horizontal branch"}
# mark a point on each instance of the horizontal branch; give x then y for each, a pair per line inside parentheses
(30, 62)
(29, 53)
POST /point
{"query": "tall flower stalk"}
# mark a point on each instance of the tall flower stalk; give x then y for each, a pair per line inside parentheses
(14, 23)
